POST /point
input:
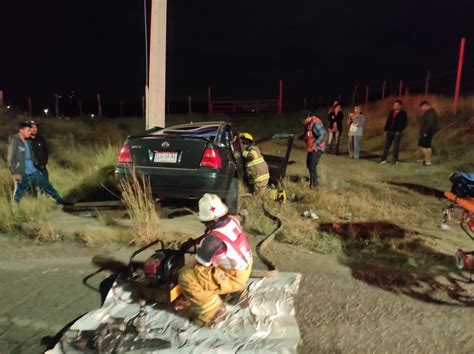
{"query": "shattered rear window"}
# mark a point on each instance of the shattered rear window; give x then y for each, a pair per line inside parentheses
(200, 131)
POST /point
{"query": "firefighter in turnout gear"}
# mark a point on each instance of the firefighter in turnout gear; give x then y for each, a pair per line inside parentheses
(223, 262)
(255, 165)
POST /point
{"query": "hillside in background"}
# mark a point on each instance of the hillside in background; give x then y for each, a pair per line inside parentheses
(84, 151)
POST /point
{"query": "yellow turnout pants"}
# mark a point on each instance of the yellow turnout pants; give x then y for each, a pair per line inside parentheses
(202, 286)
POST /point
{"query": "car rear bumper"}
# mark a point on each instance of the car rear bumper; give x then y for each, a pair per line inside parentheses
(180, 183)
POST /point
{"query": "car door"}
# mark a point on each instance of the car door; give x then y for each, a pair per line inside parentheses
(276, 150)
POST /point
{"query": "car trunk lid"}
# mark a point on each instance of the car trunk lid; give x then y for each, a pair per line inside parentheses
(168, 151)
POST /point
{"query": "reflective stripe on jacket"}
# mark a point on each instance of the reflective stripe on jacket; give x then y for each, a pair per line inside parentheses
(237, 256)
(257, 168)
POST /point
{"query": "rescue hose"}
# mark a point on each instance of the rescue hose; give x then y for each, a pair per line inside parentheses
(272, 268)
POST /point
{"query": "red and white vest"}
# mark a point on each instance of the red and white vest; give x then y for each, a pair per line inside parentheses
(238, 255)
(310, 138)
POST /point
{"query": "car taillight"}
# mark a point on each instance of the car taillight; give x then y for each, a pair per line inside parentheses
(125, 155)
(211, 158)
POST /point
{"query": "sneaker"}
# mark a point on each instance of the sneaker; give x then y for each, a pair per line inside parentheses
(426, 163)
(382, 162)
(395, 162)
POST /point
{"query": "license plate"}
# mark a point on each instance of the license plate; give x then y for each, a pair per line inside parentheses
(166, 157)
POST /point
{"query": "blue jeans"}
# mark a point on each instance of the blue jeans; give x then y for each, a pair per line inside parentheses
(395, 138)
(36, 180)
(312, 160)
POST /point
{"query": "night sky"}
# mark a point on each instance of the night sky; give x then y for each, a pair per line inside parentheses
(240, 48)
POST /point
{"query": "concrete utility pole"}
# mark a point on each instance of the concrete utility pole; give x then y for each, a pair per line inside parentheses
(1, 98)
(155, 93)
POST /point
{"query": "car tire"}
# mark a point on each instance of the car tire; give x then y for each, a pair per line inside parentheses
(232, 198)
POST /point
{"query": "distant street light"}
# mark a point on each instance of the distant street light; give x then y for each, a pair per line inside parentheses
(46, 111)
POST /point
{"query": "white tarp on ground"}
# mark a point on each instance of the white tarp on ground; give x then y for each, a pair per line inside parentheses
(267, 325)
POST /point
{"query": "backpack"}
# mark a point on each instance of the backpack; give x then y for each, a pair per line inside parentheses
(462, 184)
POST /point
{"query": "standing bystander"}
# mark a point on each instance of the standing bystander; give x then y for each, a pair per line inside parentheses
(315, 136)
(40, 149)
(356, 129)
(397, 121)
(335, 119)
(21, 161)
(429, 126)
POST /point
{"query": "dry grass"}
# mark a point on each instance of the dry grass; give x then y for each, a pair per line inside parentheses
(102, 237)
(84, 153)
(137, 197)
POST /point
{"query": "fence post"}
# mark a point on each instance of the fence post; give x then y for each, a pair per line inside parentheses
(209, 100)
(383, 89)
(190, 107)
(354, 93)
(79, 101)
(427, 82)
(407, 92)
(400, 89)
(30, 107)
(459, 75)
(99, 105)
(56, 104)
(1, 98)
(280, 98)
(366, 97)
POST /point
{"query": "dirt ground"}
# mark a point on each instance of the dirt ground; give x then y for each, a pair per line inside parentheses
(342, 306)
(42, 290)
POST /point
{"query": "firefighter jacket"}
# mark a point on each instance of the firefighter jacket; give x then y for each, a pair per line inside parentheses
(257, 168)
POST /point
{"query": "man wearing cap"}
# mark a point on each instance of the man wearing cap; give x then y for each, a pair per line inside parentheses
(315, 138)
(255, 165)
(223, 262)
(40, 149)
(21, 161)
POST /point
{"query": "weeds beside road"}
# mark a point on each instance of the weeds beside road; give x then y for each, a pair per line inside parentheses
(84, 152)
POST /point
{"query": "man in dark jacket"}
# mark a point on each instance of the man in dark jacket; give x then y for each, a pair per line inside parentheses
(21, 161)
(40, 149)
(397, 121)
(429, 126)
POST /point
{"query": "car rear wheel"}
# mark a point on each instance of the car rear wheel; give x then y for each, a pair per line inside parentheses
(232, 198)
